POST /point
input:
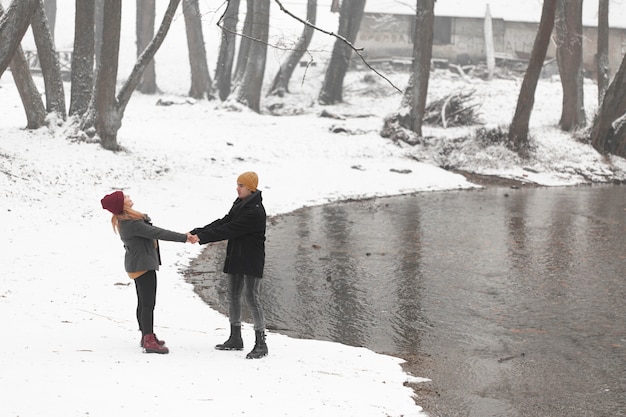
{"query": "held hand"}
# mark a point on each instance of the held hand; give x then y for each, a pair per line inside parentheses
(192, 238)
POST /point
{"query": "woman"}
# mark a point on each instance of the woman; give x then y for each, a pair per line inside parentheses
(142, 260)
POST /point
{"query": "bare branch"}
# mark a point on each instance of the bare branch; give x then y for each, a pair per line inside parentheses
(347, 42)
(142, 62)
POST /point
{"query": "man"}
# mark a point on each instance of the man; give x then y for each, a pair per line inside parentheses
(244, 228)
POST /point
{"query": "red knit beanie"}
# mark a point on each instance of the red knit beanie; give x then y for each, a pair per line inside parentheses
(113, 202)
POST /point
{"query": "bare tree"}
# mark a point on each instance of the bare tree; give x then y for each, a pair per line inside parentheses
(83, 57)
(226, 56)
(244, 44)
(489, 47)
(248, 91)
(518, 131)
(51, 15)
(349, 44)
(49, 61)
(569, 52)
(146, 10)
(603, 48)
(349, 21)
(31, 99)
(13, 25)
(281, 81)
(108, 119)
(29, 94)
(109, 109)
(417, 90)
(608, 132)
(99, 20)
(201, 85)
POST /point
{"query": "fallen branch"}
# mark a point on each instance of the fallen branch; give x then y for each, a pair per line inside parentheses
(456, 109)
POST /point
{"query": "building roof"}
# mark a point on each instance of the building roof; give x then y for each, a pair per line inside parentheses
(510, 10)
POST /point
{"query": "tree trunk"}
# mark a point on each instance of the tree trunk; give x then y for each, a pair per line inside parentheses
(569, 52)
(31, 99)
(148, 54)
(107, 117)
(417, 90)
(109, 109)
(201, 85)
(51, 15)
(99, 20)
(49, 61)
(226, 56)
(603, 137)
(489, 48)
(244, 43)
(518, 131)
(13, 26)
(145, 33)
(603, 49)
(349, 21)
(83, 57)
(280, 85)
(249, 91)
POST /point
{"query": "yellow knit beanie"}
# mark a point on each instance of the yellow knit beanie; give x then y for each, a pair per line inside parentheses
(249, 179)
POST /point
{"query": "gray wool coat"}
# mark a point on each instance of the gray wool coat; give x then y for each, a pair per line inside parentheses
(140, 240)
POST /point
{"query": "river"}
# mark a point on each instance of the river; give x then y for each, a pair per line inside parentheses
(512, 301)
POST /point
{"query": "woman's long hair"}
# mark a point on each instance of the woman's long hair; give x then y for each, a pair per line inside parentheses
(127, 214)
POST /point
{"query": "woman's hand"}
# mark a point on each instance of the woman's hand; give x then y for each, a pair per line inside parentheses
(192, 238)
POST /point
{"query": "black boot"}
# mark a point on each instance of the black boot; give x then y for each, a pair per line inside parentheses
(260, 347)
(234, 342)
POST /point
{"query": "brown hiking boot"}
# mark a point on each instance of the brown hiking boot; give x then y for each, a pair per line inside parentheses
(151, 345)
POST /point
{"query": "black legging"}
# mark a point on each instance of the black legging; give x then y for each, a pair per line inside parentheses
(146, 286)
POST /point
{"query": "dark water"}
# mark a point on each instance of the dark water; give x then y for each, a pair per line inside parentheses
(513, 302)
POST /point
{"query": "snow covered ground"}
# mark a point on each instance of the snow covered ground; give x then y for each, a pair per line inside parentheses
(70, 344)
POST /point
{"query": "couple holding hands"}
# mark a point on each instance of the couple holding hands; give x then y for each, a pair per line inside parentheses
(244, 229)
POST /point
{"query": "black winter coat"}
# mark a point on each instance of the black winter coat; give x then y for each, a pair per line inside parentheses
(244, 228)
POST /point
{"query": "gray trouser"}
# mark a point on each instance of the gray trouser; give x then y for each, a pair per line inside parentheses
(252, 285)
